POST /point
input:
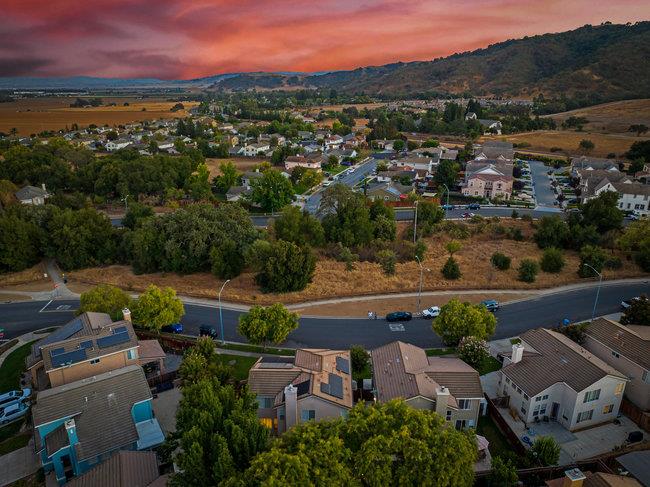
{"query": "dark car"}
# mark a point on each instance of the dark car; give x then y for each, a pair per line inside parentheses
(448, 207)
(175, 328)
(491, 304)
(474, 206)
(628, 302)
(399, 316)
(208, 331)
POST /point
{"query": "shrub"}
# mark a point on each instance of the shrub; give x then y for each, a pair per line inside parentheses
(552, 260)
(528, 270)
(500, 261)
(359, 358)
(613, 263)
(515, 234)
(504, 472)
(574, 332)
(473, 351)
(346, 255)
(287, 267)
(546, 451)
(514, 215)
(591, 255)
(387, 260)
(227, 260)
(451, 270)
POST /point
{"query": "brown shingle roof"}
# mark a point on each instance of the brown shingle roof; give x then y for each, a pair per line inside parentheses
(622, 340)
(123, 469)
(558, 359)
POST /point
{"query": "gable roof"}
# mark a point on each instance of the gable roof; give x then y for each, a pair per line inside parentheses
(122, 469)
(30, 192)
(556, 359)
(622, 340)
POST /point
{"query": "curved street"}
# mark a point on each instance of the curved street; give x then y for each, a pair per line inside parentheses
(545, 310)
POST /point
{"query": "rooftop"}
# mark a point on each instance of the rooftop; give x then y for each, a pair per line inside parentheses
(621, 339)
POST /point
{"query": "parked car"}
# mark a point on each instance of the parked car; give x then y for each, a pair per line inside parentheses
(13, 411)
(431, 312)
(491, 304)
(175, 328)
(628, 302)
(474, 206)
(209, 331)
(14, 396)
(399, 316)
(467, 215)
(448, 207)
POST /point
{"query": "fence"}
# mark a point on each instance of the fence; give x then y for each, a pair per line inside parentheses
(641, 418)
(504, 427)
(175, 344)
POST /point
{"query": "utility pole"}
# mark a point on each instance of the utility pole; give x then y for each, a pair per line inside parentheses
(420, 289)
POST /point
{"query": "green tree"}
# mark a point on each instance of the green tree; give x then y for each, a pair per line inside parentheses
(202, 362)
(638, 313)
(636, 239)
(157, 307)
(287, 268)
(638, 129)
(430, 143)
(105, 299)
(360, 359)
(504, 472)
(457, 320)
(552, 231)
(136, 214)
(350, 223)
(586, 146)
(198, 184)
(500, 261)
(473, 351)
(19, 243)
(267, 325)
(447, 173)
(228, 178)
(7, 192)
(227, 259)
(272, 191)
(453, 246)
(552, 260)
(298, 227)
(593, 256)
(528, 270)
(399, 145)
(603, 212)
(387, 260)
(451, 269)
(546, 451)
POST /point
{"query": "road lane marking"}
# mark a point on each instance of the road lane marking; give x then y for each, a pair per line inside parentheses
(48, 303)
(396, 327)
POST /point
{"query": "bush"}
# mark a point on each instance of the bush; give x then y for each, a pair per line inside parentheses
(348, 257)
(500, 261)
(473, 351)
(514, 215)
(546, 451)
(613, 263)
(504, 472)
(552, 260)
(528, 270)
(227, 260)
(515, 233)
(593, 256)
(287, 267)
(387, 260)
(451, 270)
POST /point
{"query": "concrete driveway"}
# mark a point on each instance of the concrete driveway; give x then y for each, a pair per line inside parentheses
(18, 464)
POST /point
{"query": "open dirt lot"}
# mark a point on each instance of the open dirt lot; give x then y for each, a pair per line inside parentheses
(611, 118)
(242, 164)
(34, 115)
(31, 279)
(331, 280)
(544, 140)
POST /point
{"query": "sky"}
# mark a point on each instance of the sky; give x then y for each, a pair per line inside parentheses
(182, 39)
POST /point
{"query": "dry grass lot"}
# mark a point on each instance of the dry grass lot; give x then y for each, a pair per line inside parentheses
(33, 115)
(611, 118)
(28, 280)
(242, 164)
(331, 280)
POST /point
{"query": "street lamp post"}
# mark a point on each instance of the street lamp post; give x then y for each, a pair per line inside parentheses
(600, 281)
(223, 339)
(415, 221)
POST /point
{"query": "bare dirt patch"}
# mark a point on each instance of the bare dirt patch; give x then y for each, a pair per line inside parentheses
(331, 280)
(28, 279)
(5, 297)
(613, 118)
(242, 164)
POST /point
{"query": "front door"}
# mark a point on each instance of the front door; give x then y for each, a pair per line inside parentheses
(554, 410)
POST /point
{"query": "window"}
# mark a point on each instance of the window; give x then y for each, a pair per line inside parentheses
(619, 388)
(544, 397)
(448, 415)
(523, 410)
(130, 353)
(281, 412)
(538, 398)
(464, 404)
(615, 354)
(591, 396)
(585, 416)
(307, 414)
(265, 402)
(461, 424)
(94, 361)
(608, 409)
(543, 409)
(536, 410)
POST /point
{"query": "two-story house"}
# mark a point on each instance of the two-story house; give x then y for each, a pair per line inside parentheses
(549, 376)
(626, 349)
(315, 384)
(488, 182)
(445, 385)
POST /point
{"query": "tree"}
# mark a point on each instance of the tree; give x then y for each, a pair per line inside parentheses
(267, 325)
(19, 243)
(457, 320)
(552, 260)
(198, 184)
(447, 173)
(636, 239)
(451, 269)
(473, 351)
(350, 222)
(528, 270)
(546, 451)
(398, 145)
(504, 472)
(360, 359)
(500, 261)
(638, 150)
(453, 246)
(594, 257)
(105, 299)
(387, 260)
(430, 143)
(287, 267)
(7, 192)
(586, 146)
(603, 212)
(298, 227)
(228, 178)
(157, 307)
(202, 362)
(638, 313)
(136, 214)
(638, 129)
(272, 191)
(227, 259)
(552, 231)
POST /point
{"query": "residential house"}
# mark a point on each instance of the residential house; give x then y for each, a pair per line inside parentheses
(491, 126)
(549, 376)
(445, 385)
(390, 191)
(250, 176)
(80, 424)
(292, 162)
(495, 149)
(632, 196)
(625, 348)
(333, 142)
(470, 116)
(237, 193)
(123, 469)
(383, 144)
(236, 150)
(592, 163)
(576, 478)
(32, 195)
(489, 183)
(420, 163)
(341, 154)
(113, 145)
(315, 384)
(257, 148)
(590, 179)
(279, 138)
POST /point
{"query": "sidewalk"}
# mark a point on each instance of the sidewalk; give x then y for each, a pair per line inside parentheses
(22, 340)
(18, 464)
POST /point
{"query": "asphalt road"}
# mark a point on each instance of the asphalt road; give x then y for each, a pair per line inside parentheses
(513, 319)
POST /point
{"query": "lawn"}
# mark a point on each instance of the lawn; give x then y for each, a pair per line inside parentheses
(241, 365)
(436, 352)
(14, 443)
(256, 349)
(498, 442)
(489, 365)
(13, 367)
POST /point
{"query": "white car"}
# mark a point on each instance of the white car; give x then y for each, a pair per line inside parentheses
(431, 312)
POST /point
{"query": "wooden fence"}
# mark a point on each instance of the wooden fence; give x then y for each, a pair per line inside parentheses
(504, 427)
(641, 418)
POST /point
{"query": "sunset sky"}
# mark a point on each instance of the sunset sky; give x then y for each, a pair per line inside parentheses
(185, 39)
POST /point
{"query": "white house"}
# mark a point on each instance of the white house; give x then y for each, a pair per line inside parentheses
(31, 195)
(253, 150)
(632, 196)
(491, 126)
(333, 142)
(113, 145)
(292, 162)
(549, 376)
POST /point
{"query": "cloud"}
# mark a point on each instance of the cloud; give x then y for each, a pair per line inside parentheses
(10, 67)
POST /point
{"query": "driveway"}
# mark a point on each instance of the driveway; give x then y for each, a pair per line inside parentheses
(18, 464)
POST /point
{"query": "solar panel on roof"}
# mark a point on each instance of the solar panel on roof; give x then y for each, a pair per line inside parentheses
(324, 387)
(86, 344)
(111, 340)
(336, 386)
(56, 351)
(120, 329)
(302, 388)
(68, 358)
(66, 331)
(342, 365)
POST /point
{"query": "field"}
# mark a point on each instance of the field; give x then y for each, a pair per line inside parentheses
(331, 280)
(34, 115)
(242, 164)
(544, 140)
(32, 276)
(611, 118)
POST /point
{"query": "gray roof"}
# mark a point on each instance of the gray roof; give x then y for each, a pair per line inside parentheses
(622, 340)
(30, 192)
(123, 469)
(638, 464)
(557, 359)
(101, 407)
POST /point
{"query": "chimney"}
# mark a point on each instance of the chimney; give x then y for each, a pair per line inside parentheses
(573, 478)
(71, 430)
(517, 353)
(442, 400)
(43, 186)
(126, 312)
(291, 405)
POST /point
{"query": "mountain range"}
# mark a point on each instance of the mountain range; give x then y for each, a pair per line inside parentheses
(609, 60)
